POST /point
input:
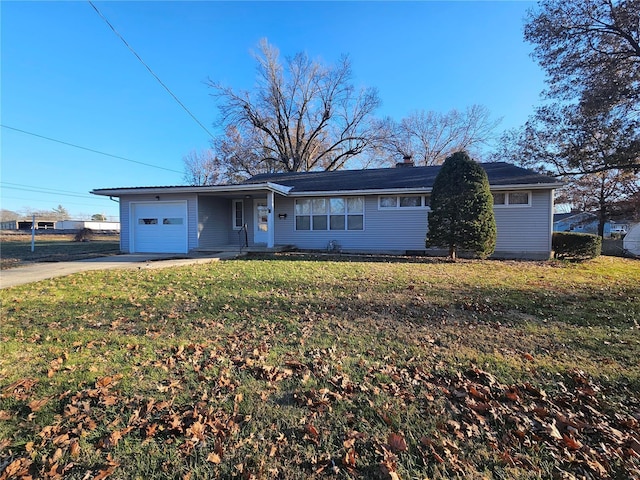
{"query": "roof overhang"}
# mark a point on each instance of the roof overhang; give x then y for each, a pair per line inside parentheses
(287, 191)
(418, 191)
(528, 186)
(213, 189)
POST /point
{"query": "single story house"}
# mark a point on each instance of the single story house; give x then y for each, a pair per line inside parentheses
(380, 210)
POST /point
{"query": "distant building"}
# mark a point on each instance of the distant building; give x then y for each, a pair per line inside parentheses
(587, 222)
(93, 225)
(45, 224)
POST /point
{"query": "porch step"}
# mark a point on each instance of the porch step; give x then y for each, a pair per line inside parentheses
(252, 249)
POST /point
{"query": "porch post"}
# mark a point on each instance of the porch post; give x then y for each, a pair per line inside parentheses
(271, 224)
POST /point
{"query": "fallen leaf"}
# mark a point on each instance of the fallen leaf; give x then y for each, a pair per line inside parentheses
(552, 430)
(213, 457)
(311, 430)
(349, 458)
(36, 405)
(397, 442)
(571, 443)
(75, 449)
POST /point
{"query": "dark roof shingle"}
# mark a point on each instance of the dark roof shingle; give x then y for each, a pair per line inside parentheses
(499, 173)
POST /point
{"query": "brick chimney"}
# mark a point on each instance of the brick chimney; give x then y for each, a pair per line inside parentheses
(406, 162)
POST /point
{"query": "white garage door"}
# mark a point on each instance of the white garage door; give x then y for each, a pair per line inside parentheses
(159, 227)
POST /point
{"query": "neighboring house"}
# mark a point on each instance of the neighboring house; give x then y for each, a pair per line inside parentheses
(578, 222)
(587, 222)
(369, 211)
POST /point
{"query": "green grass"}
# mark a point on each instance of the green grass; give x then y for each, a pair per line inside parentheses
(292, 367)
(16, 249)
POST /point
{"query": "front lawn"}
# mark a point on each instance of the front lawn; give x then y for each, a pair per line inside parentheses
(292, 367)
(15, 249)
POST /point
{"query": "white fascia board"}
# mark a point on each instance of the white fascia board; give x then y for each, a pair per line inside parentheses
(526, 186)
(252, 187)
(387, 191)
(418, 191)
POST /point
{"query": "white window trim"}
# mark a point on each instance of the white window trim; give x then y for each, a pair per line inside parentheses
(506, 203)
(233, 214)
(346, 214)
(398, 207)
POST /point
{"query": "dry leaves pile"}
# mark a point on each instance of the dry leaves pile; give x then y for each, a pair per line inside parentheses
(345, 375)
(575, 428)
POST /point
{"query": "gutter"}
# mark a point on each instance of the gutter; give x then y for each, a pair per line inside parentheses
(118, 192)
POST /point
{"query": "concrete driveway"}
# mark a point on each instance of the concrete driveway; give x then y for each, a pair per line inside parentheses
(35, 272)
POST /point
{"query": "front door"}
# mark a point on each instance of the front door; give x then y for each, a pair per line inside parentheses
(260, 221)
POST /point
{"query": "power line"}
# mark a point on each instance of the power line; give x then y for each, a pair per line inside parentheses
(149, 69)
(88, 149)
(50, 190)
(66, 203)
(36, 190)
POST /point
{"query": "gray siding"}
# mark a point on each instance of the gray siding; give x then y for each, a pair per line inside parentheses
(125, 224)
(525, 231)
(214, 221)
(384, 231)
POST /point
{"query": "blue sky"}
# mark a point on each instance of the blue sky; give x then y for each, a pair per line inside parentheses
(65, 75)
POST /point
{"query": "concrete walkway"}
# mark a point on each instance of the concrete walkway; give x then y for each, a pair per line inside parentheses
(35, 272)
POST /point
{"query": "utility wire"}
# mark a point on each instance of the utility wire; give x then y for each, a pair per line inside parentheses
(66, 203)
(37, 190)
(48, 190)
(89, 149)
(149, 69)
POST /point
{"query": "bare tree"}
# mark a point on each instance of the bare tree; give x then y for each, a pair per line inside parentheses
(201, 168)
(430, 137)
(301, 116)
(590, 50)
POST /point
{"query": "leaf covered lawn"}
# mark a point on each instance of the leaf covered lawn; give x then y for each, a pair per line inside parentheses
(290, 367)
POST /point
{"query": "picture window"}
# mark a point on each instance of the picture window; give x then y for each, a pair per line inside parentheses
(335, 213)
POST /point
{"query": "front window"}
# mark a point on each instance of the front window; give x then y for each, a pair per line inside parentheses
(394, 202)
(335, 213)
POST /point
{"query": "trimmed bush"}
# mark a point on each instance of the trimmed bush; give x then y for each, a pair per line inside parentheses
(576, 246)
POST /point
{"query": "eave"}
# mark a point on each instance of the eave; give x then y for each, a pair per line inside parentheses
(119, 192)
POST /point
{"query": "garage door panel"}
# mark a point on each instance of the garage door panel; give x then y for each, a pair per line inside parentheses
(160, 227)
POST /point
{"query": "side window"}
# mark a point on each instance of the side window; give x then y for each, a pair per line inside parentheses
(519, 198)
(511, 199)
(237, 214)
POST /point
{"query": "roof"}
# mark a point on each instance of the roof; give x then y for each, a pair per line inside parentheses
(559, 217)
(498, 173)
(376, 180)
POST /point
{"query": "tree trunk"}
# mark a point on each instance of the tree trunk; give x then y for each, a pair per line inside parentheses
(602, 214)
(452, 252)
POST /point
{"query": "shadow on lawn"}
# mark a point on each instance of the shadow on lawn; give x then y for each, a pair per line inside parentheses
(321, 256)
